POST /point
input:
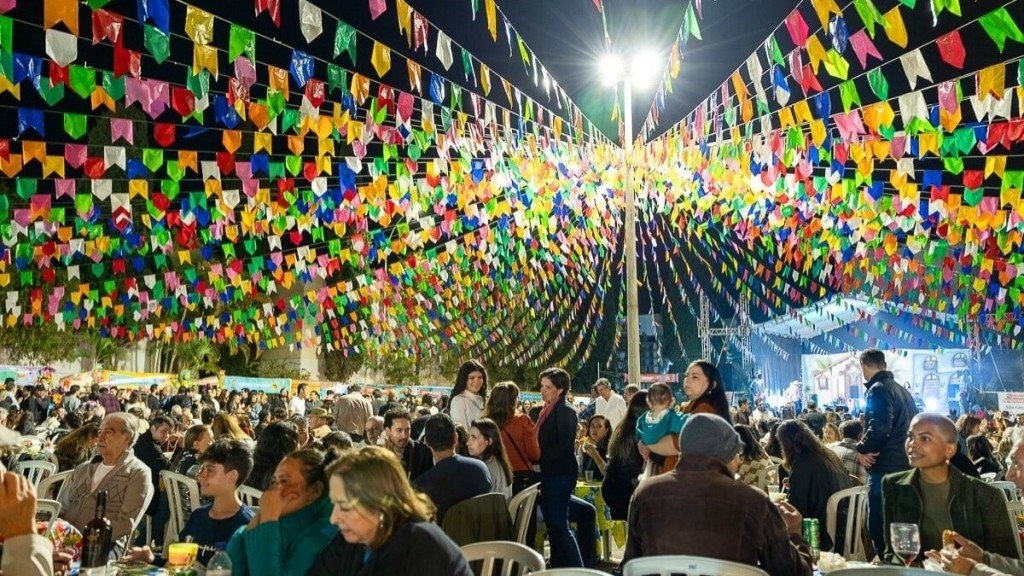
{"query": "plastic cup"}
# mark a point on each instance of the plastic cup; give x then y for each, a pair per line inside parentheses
(182, 555)
(589, 475)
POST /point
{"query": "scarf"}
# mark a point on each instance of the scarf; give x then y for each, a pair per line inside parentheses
(546, 412)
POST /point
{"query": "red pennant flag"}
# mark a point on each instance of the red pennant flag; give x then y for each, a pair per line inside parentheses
(163, 133)
(315, 92)
(183, 101)
(126, 62)
(809, 80)
(951, 49)
(226, 163)
(58, 75)
(597, 4)
(106, 26)
(272, 7)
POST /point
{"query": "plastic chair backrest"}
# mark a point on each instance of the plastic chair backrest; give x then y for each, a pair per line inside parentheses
(1016, 510)
(35, 470)
(569, 572)
(51, 508)
(249, 495)
(503, 558)
(688, 566)
(856, 501)
(46, 485)
(1009, 490)
(880, 571)
(174, 485)
(520, 508)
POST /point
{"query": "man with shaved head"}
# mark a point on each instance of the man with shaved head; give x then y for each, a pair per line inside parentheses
(937, 496)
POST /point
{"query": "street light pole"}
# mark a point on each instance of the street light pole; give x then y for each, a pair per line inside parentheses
(629, 251)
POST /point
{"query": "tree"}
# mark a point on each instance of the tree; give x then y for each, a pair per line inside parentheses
(338, 366)
(41, 345)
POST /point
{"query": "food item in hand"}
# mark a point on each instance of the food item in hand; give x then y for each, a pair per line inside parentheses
(947, 540)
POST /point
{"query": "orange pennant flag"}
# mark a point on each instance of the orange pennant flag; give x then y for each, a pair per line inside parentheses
(65, 11)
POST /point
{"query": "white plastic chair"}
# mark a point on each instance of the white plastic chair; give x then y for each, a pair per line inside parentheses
(569, 572)
(52, 510)
(249, 495)
(520, 508)
(1009, 490)
(880, 571)
(46, 485)
(856, 501)
(35, 470)
(989, 477)
(177, 487)
(688, 566)
(515, 559)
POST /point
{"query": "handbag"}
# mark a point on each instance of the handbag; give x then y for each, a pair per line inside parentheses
(521, 479)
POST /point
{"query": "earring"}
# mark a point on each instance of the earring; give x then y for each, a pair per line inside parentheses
(382, 518)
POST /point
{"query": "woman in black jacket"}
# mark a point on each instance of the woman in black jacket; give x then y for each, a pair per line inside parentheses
(556, 434)
(624, 460)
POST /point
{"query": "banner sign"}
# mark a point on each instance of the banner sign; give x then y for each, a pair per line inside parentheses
(268, 385)
(1012, 402)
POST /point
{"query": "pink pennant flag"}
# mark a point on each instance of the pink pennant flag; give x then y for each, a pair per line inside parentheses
(75, 155)
(64, 187)
(122, 128)
(863, 47)
(377, 7)
(797, 27)
(7, 5)
(245, 71)
(849, 125)
(947, 96)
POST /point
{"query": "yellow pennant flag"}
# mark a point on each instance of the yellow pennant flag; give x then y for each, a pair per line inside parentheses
(65, 11)
(485, 79)
(815, 51)
(381, 58)
(824, 8)
(204, 58)
(404, 15)
(263, 141)
(139, 188)
(53, 165)
(415, 76)
(492, 18)
(995, 165)
(359, 88)
(99, 97)
(15, 89)
(198, 25)
(894, 27)
(992, 81)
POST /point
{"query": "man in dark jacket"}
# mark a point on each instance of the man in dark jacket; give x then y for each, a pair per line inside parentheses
(416, 457)
(148, 449)
(890, 408)
(726, 519)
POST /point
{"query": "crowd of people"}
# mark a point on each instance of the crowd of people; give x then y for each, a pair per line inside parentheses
(352, 481)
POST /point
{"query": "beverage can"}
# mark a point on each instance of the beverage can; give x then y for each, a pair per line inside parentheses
(812, 535)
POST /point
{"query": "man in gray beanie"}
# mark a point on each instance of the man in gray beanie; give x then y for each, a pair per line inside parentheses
(700, 509)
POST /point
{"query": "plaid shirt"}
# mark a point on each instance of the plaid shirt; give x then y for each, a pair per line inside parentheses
(847, 452)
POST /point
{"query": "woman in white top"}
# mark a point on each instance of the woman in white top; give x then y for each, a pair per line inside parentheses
(485, 444)
(469, 393)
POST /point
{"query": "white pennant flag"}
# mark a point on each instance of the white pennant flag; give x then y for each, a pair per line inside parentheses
(915, 67)
(114, 156)
(444, 49)
(755, 71)
(912, 105)
(102, 188)
(311, 20)
(61, 47)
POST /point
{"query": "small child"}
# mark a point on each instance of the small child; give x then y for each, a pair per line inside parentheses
(660, 421)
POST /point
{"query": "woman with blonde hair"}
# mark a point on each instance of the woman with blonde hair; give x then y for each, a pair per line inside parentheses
(386, 527)
(225, 425)
(76, 447)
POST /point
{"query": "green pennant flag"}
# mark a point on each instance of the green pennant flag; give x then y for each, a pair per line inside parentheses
(276, 170)
(153, 158)
(5, 210)
(456, 97)
(524, 52)
(158, 44)
(113, 86)
(241, 40)
(82, 80)
(909, 3)
(690, 25)
(848, 92)
(6, 63)
(6, 33)
(773, 51)
(973, 197)
(337, 78)
(293, 164)
(175, 172)
(879, 84)
(27, 187)
(999, 26)
(276, 103)
(446, 118)
(953, 165)
(952, 5)
(467, 64)
(53, 94)
(75, 125)
(345, 41)
(97, 4)
(199, 84)
(378, 113)
(289, 119)
(869, 15)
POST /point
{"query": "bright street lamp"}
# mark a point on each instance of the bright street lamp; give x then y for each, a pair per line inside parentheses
(614, 70)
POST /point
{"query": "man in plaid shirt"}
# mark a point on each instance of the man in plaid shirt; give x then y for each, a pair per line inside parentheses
(846, 449)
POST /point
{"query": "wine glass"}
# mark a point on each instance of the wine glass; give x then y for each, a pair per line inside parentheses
(906, 541)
